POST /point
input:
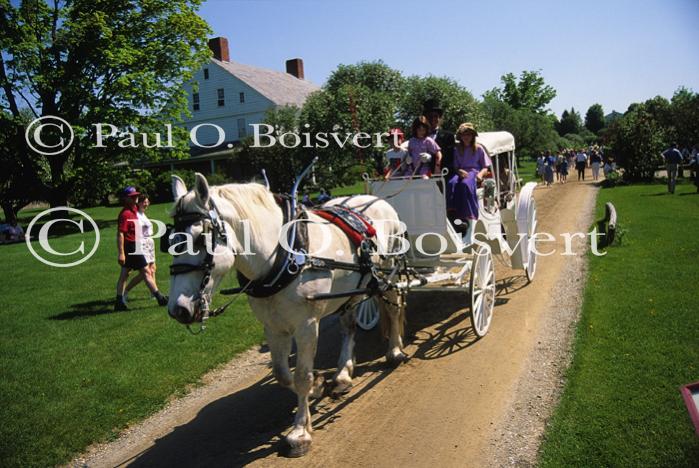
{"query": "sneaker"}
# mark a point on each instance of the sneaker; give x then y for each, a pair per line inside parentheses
(162, 300)
(126, 298)
(120, 306)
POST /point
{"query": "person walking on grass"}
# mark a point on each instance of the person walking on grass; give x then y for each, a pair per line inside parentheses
(129, 257)
(147, 246)
(581, 163)
(673, 158)
(694, 165)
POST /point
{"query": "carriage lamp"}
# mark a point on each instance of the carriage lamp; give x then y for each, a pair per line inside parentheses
(690, 394)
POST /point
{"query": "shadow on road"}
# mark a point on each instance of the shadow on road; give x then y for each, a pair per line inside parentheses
(250, 424)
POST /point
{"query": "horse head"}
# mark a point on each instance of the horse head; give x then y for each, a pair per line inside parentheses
(201, 244)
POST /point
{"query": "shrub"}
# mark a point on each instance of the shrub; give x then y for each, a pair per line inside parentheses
(612, 179)
(636, 141)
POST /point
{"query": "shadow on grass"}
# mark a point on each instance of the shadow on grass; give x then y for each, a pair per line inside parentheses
(91, 309)
(659, 194)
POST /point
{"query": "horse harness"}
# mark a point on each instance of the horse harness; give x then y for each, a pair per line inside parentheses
(287, 264)
(174, 235)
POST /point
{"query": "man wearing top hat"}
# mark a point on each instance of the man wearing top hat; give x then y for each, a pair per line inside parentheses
(434, 112)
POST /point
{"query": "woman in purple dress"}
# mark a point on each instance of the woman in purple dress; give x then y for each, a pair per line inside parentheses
(422, 149)
(471, 164)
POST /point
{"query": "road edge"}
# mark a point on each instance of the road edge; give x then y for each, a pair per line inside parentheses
(537, 391)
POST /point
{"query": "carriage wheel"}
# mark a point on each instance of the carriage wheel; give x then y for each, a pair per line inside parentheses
(482, 290)
(526, 224)
(368, 313)
(530, 270)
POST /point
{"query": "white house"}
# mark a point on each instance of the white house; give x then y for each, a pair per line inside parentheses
(232, 96)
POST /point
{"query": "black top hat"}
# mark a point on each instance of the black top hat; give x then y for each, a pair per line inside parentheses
(432, 105)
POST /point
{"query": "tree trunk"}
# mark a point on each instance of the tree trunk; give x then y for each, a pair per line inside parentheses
(9, 212)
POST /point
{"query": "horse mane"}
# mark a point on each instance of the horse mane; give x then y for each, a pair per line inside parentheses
(247, 199)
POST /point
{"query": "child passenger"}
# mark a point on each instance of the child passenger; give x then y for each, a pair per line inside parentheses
(422, 149)
(398, 161)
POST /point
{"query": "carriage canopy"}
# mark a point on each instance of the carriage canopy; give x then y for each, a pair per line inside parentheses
(496, 142)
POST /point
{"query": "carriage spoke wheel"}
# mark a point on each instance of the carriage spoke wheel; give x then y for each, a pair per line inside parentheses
(368, 313)
(482, 290)
(530, 270)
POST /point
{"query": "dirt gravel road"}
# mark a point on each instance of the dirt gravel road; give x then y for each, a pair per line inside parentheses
(445, 407)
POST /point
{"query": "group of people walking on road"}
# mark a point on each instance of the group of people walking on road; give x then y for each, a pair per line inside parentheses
(549, 164)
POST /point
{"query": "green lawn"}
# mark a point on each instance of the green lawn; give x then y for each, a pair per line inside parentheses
(527, 170)
(74, 372)
(637, 341)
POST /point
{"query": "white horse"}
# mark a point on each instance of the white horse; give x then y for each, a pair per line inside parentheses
(287, 314)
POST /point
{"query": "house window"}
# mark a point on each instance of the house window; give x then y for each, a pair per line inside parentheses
(206, 73)
(195, 101)
(242, 97)
(242, 132)
(221, 98)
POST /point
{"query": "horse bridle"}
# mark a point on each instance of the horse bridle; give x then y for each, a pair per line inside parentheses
(211, 223)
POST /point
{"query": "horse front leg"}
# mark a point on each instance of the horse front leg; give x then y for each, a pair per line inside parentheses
(280, 349)
(345, 365)
(392, 307)
(299, 439)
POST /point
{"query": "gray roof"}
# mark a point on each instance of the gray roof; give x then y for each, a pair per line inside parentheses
(279, 87)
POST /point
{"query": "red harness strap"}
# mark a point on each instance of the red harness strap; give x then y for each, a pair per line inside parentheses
(355, 236)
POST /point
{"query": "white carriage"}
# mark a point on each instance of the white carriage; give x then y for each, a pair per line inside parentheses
(447, 262)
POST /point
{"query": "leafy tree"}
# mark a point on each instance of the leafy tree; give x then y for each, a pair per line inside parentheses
(359, 98)
(570, 122)
(636, 141)
(611, 117)
(594, 118)
(376, 76)
(684, 108)
(87, 62)
(280, 163)
(458, 103)
(533, 131)
(660, 109)
(530, 91)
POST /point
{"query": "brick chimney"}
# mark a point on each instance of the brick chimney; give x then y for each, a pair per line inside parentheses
(219, 46)
(295, 67)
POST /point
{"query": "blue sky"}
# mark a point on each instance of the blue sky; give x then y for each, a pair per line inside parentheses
(611, 52)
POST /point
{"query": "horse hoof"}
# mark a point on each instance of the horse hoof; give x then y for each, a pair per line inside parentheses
(318, 388)
(298, 448)
(341, 388)
(397, 359)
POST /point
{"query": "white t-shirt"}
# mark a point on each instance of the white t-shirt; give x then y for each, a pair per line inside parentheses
(146, 225)
(581, 157)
